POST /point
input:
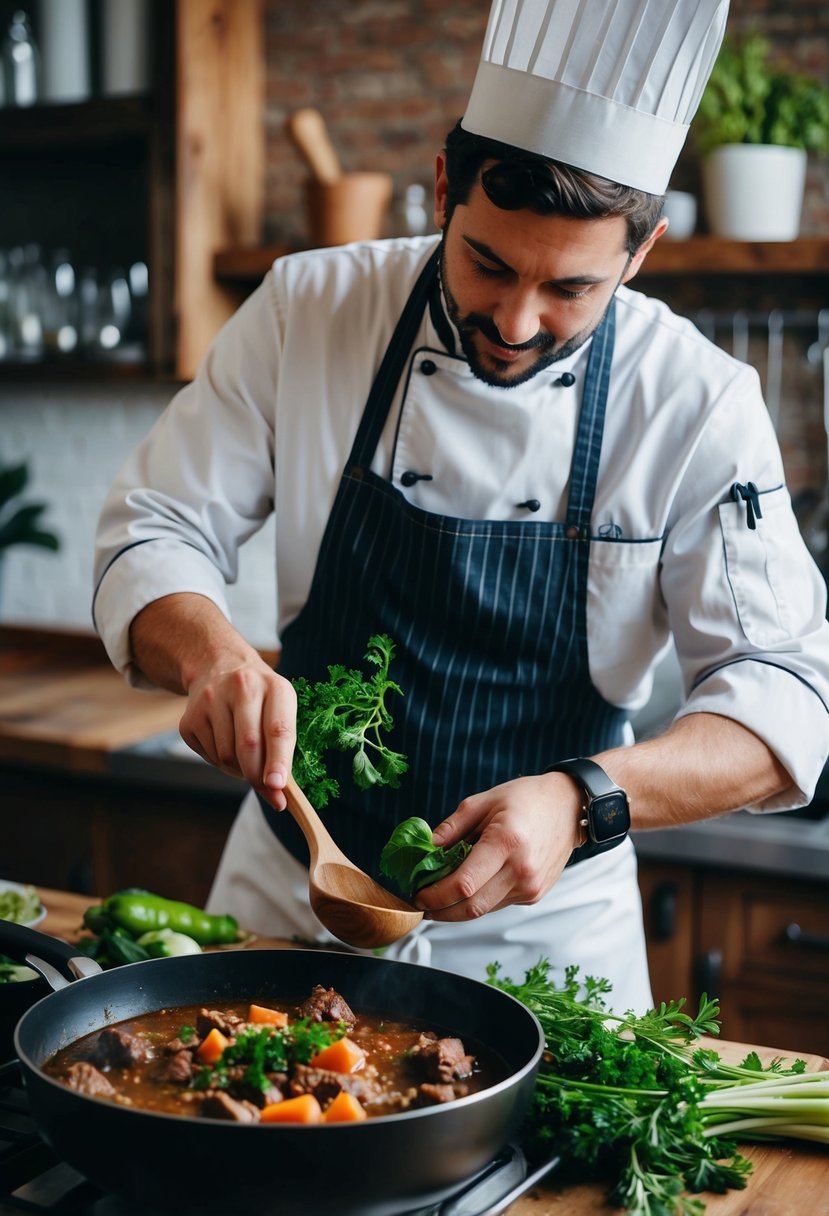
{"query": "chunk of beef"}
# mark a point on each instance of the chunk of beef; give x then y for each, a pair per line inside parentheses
(85, 1078)
(116, 1048)
(440, 1060)
(177, 1069)
(219, 1105)
(325, 1084)
(242, 1089)
(326, 1005)
(176, 1045)
(434, 1095)
(211, 1019)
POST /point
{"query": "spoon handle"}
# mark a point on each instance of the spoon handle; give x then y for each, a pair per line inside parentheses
(320, 843)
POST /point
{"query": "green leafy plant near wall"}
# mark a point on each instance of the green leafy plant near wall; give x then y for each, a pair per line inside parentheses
(19, 520)
(749, 101)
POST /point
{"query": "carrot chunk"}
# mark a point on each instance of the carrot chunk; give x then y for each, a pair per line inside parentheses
(304, 1109)
(343, 1056)
(212, 1047)
(344, 1109)
(267, 1017)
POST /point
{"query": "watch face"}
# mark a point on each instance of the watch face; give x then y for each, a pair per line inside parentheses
(609, 817)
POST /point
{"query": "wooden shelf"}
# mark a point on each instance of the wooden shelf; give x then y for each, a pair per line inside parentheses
(247, 265)
(702, 255)
(710, 255)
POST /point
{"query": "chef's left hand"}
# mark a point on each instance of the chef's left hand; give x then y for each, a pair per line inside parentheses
(523, 832)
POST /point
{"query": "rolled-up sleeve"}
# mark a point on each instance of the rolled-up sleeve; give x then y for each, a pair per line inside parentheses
(746, 602)
(199, 485)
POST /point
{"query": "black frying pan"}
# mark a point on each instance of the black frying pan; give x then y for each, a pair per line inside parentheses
(379, 1167)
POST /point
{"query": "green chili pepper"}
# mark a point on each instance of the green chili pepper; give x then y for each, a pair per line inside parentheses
(140, 912)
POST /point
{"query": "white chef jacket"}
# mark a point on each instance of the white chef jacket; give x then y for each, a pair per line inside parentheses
(267, 426)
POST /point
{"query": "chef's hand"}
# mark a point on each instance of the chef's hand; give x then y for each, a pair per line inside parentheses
(523, 832)
(241, 717)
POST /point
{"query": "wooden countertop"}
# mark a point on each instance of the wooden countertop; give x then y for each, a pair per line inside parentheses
(788, 1180)
(62, 704)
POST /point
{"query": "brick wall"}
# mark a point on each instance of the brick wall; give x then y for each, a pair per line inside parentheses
(392, 76)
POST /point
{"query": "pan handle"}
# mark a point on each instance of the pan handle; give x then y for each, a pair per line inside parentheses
(55, 960)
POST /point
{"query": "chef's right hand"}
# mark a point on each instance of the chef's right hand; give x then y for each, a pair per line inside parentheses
(241, 717)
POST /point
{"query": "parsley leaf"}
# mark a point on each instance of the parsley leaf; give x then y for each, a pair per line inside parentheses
(348, 713)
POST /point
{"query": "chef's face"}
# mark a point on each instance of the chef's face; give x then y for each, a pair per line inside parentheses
(526, 290)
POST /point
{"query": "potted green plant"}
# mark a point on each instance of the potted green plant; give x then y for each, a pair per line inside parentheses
(19, 520)
(754, 128)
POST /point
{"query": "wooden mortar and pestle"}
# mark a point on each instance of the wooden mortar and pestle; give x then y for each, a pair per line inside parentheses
(342, 207)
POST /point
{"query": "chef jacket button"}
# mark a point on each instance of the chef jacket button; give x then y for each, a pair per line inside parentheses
(428, 367)
(410, 477)
(532, 504)
(572, 533)
(566, 380)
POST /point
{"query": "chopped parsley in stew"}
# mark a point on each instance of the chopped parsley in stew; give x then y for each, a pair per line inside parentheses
(312, 1062)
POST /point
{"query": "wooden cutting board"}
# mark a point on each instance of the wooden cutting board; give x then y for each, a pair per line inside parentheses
(790, 1180)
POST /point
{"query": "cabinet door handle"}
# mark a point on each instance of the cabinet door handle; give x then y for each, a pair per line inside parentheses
(663, 912)
(794, 934)
(709, 973)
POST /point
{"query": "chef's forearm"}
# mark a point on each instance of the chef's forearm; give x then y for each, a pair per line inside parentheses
(702, 766)
(174, 638)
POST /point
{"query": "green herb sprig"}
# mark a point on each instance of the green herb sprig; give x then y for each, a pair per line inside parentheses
(632, 1097)
(348, 713)
(264, 1049)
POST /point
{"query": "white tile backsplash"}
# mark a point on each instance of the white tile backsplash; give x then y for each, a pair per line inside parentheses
(74, 440)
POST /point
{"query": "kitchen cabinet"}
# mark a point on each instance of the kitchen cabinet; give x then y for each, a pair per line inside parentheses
(88, 834)
(759, 943)
(165, 178)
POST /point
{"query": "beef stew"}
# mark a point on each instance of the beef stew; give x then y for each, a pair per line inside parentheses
(267, 1061)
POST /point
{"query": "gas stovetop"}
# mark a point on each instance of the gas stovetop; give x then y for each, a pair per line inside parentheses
(34, 1182)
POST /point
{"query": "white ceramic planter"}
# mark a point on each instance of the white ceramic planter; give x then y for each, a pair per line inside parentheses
(754, 192)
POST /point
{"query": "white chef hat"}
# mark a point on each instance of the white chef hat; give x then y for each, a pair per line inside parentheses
(609, 86)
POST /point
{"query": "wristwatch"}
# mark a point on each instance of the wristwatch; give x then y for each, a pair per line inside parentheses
(606, 810)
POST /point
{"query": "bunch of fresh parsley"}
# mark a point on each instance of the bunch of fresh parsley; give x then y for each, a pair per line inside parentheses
(630, 1098)
(347, 712)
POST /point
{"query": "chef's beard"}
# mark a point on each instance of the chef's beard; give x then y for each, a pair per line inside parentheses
(501, 374)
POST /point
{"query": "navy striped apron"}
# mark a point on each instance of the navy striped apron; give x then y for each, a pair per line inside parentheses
(488, 617)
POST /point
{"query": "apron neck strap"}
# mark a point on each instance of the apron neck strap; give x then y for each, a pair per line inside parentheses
(585, 467)
(391, 369)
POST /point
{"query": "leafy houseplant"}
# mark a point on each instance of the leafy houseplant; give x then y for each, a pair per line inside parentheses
(20, 521)
(754, 127)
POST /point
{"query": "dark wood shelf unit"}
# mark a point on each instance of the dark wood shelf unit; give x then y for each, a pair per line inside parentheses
(77, 125)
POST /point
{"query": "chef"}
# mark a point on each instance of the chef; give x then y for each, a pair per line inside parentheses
(533, 479)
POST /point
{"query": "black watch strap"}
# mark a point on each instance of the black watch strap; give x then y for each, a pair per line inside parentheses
(596, 784)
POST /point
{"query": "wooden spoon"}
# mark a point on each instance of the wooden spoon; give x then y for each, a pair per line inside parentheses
(352, 906)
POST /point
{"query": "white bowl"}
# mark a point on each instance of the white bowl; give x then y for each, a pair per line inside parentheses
(22, 889)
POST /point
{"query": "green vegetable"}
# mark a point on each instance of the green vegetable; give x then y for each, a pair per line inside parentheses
(13, 973)
(165, 943)
(20, 906)
(347, 713)
(140, 912)
(265, 1049)
(631, 1097)
(411, 860)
